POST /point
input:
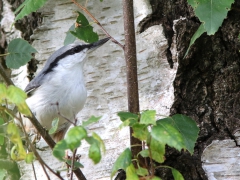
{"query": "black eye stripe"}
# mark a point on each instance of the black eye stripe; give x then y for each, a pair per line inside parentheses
(71, 51)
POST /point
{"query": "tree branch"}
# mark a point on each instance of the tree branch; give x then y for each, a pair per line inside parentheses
(131, 63)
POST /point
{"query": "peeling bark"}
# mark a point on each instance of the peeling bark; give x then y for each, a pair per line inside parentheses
(207, 80)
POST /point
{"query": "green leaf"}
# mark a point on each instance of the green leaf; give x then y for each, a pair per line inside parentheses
(1, 140)
(166, 133)
(1, 136)
(69, 37)
(193, 3)
(100, 141)
(17, 152)
(91, 120)
(54, 126)
(29, 158)
(20, 53)
(84, 30)
(76, 164)
(124, 116)
(140, 131)
(17, 96)
(131, 173)
(211, 13)
(94, 152)
(176, 174)
(74, 137)
(122, 162)
(196, 35)
(188, 129)
(156, 178)
(148, 117)
(28, 7)
(3, 91)
(126, 123)
(59, 150)
(3, 174)
(142, 171)
(157, 150)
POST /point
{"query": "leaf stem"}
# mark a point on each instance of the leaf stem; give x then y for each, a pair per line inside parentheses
(4, 54)
(150, 156)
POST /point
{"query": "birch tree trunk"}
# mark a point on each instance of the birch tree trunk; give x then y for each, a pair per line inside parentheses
(204, 85)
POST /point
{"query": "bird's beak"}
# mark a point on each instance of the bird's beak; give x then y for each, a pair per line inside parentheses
(97, 44)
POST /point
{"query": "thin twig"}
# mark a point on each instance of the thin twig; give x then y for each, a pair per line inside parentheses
(58, 112)
(72, 163)
(97, 22)
(34, 172)
(131, 68)
(4, 54)
(5, 76)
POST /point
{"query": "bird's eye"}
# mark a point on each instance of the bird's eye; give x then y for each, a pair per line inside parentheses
(76, 50)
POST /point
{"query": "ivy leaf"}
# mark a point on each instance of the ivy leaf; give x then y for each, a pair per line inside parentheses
(20, 53)
(91, 120)
(84, 30)
(54, 126)
(69, 37)
(74, 137)
(28, 6)
(148, 117)
(122, 162)
(188, 129)
(166, 133)
(196, 35)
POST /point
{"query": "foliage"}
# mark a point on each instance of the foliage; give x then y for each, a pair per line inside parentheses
(178, 131)
(211, 13)
(19, 53)
(9, 96)
(73, 140)
(27, 7)
(83, 30)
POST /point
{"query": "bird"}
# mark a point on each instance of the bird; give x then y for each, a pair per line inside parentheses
(59, 90)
